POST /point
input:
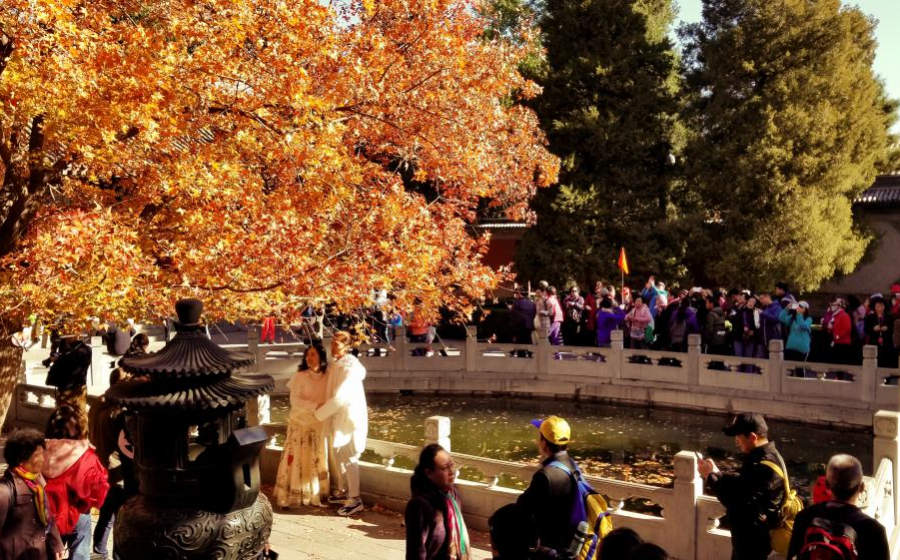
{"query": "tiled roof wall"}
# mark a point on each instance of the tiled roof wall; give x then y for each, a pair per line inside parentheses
(884, 193)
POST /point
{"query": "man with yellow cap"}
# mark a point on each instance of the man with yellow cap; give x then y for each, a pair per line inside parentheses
(550, 498)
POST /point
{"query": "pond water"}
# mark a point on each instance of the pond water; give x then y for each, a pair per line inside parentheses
(615, 441)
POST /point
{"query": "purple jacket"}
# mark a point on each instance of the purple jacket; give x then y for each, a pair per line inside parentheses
(607, 321)
(691, 326)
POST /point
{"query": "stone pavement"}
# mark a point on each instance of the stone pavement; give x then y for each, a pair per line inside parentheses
(319, 533)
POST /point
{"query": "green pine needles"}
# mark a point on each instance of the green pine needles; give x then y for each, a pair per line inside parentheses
(775, 117)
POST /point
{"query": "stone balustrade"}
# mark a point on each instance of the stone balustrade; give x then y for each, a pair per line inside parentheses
(805, 392)
(687, 524)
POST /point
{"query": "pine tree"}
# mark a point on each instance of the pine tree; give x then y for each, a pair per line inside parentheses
(788, 124)
(607, 107)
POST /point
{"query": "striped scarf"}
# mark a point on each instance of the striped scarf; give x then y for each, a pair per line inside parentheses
(459, 534)
(35, 484)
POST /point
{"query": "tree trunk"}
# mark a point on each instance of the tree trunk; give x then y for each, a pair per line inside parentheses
(10, 366)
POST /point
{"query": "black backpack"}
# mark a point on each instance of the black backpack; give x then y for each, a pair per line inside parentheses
(678, 329)
(828, 540)
(719, 333)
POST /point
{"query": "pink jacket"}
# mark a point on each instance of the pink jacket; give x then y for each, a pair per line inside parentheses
(76, 481)
(639, 318)
(555, 310)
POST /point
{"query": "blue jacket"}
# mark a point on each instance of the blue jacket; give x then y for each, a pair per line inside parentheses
(799, 331)
(771, 323)
(607, 323)
(649, 295)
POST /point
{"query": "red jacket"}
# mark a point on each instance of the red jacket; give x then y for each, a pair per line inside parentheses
(840, 328)
(76, 481)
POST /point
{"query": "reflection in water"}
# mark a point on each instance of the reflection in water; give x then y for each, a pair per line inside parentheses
(615, 441)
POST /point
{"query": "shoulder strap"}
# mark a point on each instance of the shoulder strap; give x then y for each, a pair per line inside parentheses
(780, 473)
(562, 467)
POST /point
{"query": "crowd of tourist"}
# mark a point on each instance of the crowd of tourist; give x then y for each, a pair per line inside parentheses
(55, 478)
(729, 322)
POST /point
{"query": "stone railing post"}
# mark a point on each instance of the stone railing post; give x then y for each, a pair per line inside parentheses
(437, 430)
(694, 350)
(259, 411)
(543, 352)
(776, 366)
(100, 363)
(253, 343)
(398, 360)
(886, 426)
(471, 349)
(869, 382)
(617, 344)
(681, 517)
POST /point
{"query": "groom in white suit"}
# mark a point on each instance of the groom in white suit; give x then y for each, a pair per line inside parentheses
(346, 416)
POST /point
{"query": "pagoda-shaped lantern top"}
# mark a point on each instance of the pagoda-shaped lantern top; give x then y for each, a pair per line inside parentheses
(192, 446)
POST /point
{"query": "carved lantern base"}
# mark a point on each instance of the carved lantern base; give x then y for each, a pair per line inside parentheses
(147, 532)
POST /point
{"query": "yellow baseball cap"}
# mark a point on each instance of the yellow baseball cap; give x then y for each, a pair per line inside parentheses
(554, 429)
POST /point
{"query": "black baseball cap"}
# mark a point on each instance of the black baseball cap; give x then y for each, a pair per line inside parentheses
(745, 423)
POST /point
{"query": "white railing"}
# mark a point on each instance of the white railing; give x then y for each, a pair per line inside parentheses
(806, 392)
(878, 501)
(688, 522)
(479, 483)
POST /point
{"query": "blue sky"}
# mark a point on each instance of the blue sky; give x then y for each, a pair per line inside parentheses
(887, 59)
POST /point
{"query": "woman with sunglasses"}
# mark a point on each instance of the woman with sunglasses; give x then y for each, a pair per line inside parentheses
(435, 528)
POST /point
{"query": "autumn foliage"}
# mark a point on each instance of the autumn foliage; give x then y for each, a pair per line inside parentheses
(254, 153)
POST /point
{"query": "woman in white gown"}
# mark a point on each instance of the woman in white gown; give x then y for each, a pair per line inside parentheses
(303, 470)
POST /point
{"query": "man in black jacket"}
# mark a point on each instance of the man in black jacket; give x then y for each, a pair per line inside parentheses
(753, 497)
(521, 318)
(844, 478)
(69, 373)
(550, 498)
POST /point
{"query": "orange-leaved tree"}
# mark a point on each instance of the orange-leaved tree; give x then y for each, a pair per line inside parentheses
(254, 153)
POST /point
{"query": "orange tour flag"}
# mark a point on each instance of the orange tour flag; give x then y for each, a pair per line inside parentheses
(623, 261)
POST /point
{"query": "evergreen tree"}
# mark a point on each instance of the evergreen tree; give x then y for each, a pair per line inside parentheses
(607, 107)
(788, 124)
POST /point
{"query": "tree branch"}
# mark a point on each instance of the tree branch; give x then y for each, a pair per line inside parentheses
(269, 287)
(6, 49)
(423, 80)
(35, 155)
(248, 115)
(389, 123)
(5, 152)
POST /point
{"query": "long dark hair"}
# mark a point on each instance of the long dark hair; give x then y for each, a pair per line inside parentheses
(683, 305)
(323, 358)
(419, 483)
